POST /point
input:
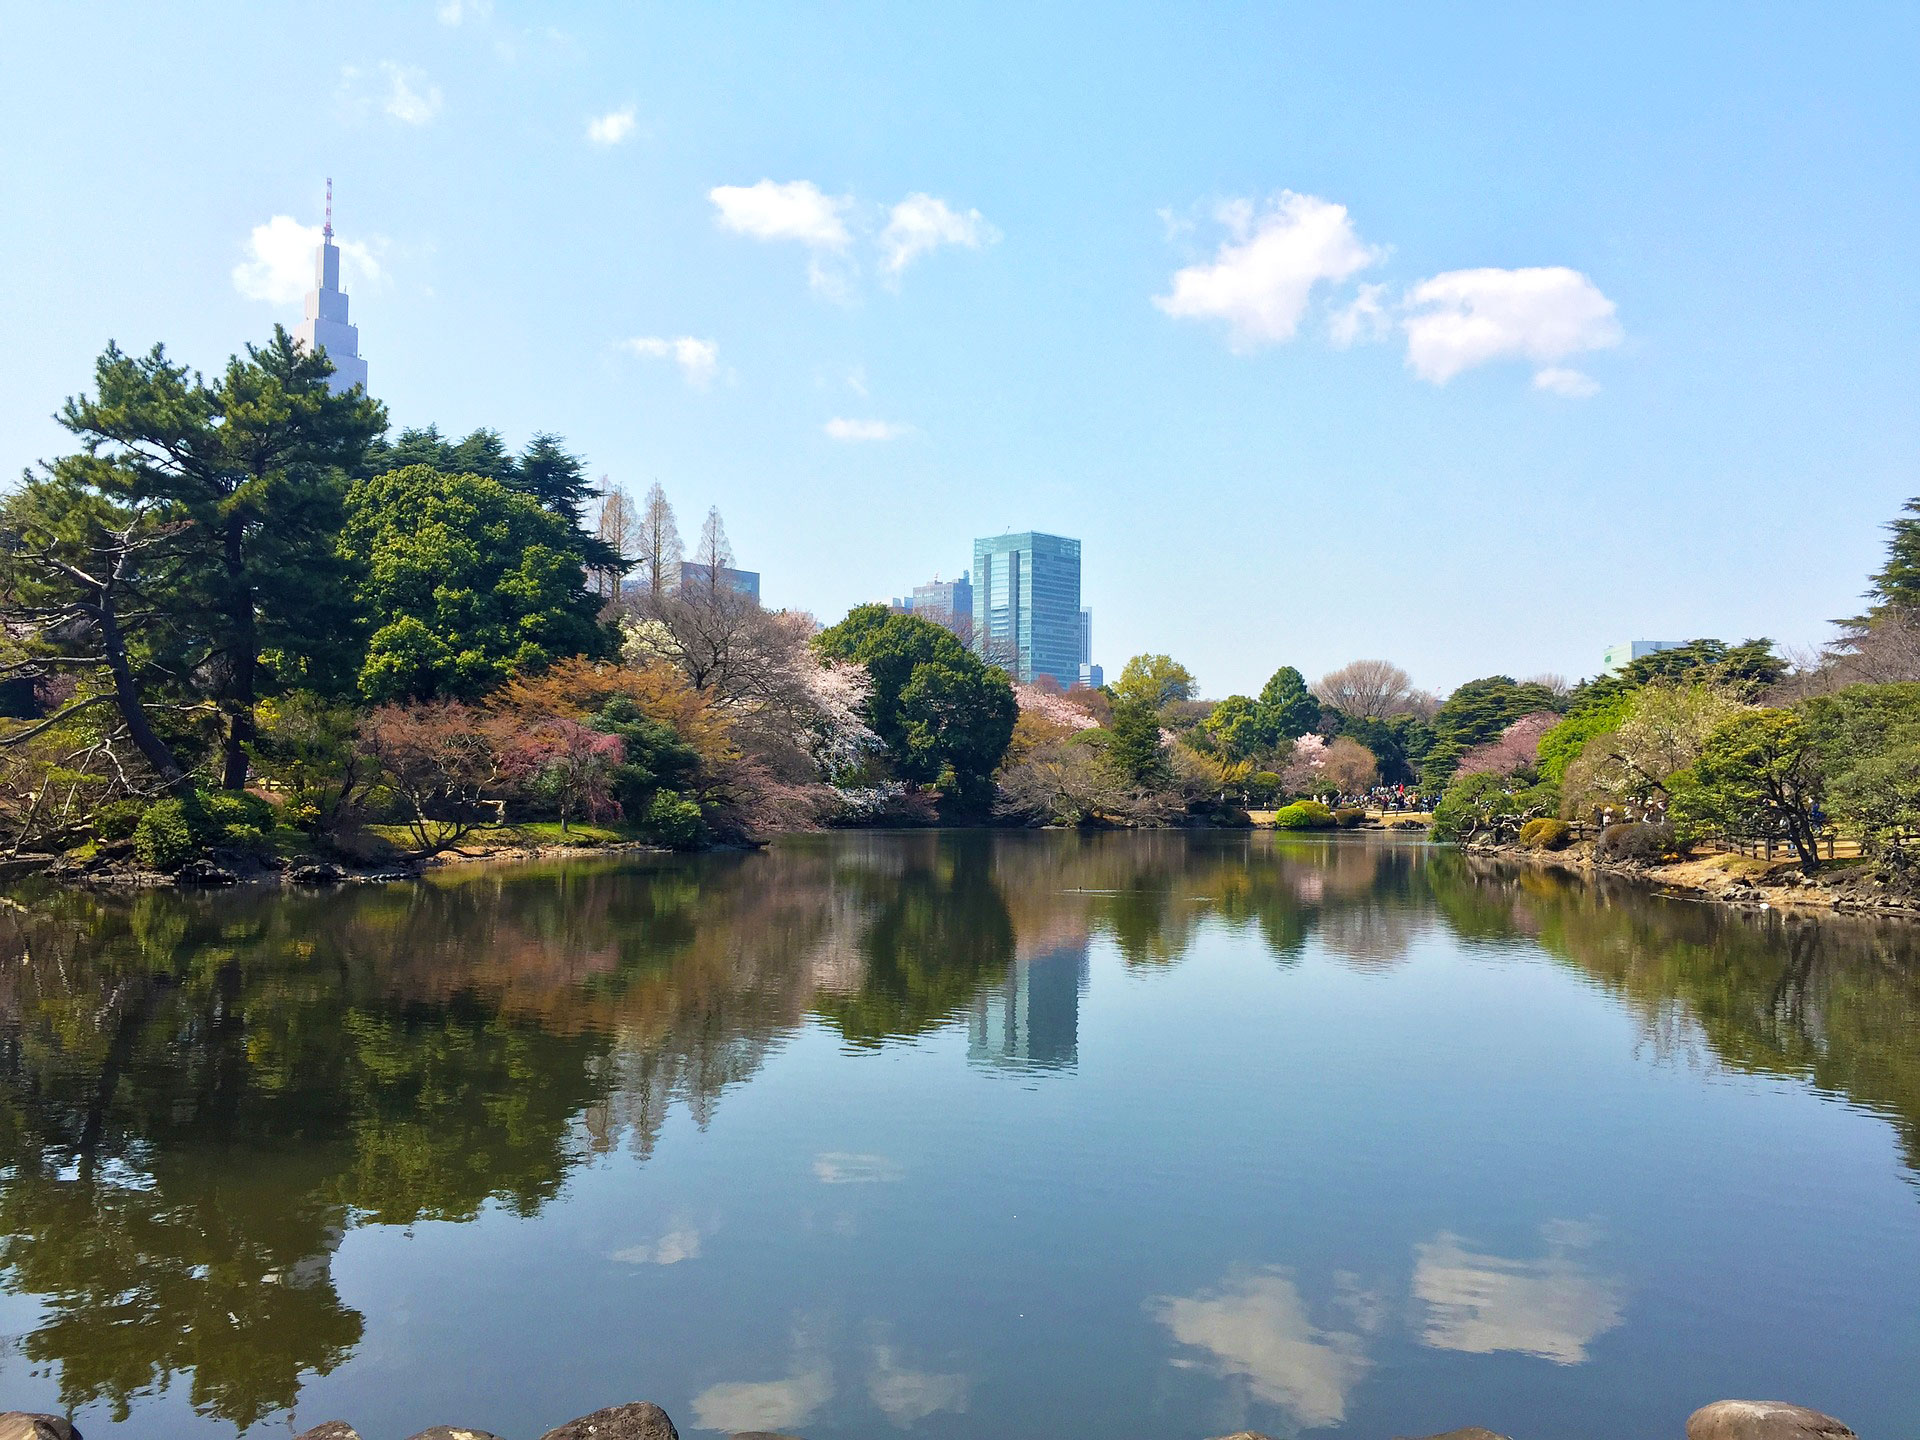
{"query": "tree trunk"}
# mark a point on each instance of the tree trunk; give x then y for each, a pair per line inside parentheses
(243, 661)
(126, 696)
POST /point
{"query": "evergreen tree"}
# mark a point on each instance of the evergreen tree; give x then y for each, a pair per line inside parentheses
(1897, 583)
(247, 477)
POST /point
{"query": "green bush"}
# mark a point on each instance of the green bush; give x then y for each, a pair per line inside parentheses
(228, 810)
(675, 821)
(117, 818)
(1349, 817)
(165, 838)
(1303, 815)
(1545, 833)
(1264, 787)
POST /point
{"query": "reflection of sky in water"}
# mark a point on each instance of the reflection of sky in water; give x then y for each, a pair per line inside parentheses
(1256, 1330)
(1287, 1122)
(1552, 1306)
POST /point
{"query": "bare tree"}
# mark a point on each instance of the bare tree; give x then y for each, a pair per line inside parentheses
(656, 549)
(1366, 689)
(619, 527)
(713, 555)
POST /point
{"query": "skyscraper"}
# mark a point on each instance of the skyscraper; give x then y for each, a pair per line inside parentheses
(944, 602)
(1026, 605)
(326, 327)
(1091, 675)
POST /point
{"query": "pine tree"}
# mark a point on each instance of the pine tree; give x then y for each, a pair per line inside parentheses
(1897, 583)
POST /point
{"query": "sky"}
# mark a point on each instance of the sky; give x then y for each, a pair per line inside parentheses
(1473, 338)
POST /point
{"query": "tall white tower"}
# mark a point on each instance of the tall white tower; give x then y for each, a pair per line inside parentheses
(326, 327)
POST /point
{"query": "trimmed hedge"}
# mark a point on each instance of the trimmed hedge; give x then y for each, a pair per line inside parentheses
(1303, 815)
(165, 838)
(1348, 817)
(1639, 842)
(1546, 833)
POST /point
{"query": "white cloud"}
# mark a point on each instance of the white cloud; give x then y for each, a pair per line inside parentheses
(1466, 318)
(1364, 318)
(1258, 1330)
(699, 360)
(1558, 380)
(1261, 278)
(453, 12)
(403, 91)
(793, 211)
(838, 1167)
(669, 1249)
(1553, 1307)
(612, 127)
(855, 431)
(412, 98)
(279, 263)
(921, 223)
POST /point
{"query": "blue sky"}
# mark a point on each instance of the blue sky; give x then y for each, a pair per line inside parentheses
(1473, 341)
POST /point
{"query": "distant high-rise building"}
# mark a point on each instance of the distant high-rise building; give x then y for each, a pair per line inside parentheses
(944, 602)
(690, 575)
(326, 327)
(1618, 657)
(1091, 675)
(1026, 605)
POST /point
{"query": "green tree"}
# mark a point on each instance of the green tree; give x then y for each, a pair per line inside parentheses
(1758, 776)
(248, 474)
(1475, 714)
(944, 715)
(1291, 710)
(1238, 728)
(1869, 739)
(1896, 584)
(1156, 679)
(466, 583)
(1133, 744)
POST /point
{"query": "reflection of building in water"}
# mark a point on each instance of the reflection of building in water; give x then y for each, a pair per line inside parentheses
(1032, 1018)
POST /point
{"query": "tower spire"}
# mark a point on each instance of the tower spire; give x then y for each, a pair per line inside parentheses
(327, 229)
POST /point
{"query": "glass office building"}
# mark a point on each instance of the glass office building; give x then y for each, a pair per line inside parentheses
(1026, 605)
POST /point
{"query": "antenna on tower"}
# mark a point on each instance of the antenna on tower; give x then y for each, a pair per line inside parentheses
(327, 229)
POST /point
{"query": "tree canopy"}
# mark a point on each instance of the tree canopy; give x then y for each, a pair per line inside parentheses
(466, 582)
(944, 715)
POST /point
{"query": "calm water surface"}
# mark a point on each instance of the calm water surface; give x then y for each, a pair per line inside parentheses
(958, 1135)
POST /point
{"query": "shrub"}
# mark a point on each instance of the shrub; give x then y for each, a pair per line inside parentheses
(165, 838)
(1638, 842)
(675, 821)
(1264, 787)
(1303, 815)
(1545, 833)
(117, 818)
(1349, 817)
(231, 810)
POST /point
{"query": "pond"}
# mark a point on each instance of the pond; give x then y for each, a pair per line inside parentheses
(961, 1134)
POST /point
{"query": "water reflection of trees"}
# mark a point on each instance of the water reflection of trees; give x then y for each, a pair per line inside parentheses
(1833, 1000)
(201, 1095)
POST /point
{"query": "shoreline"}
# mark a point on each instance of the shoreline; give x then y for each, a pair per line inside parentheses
(1738, 881)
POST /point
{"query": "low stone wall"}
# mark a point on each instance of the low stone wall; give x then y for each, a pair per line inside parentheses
(1722, 1420)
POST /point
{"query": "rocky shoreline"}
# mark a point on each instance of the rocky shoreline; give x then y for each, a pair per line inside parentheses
(1742, 881)
(220, 871)
(1722, 1420)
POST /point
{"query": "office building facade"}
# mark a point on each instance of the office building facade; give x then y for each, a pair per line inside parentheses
(691, 576)
(944, 602)
(1026, 605)
(1618, 657)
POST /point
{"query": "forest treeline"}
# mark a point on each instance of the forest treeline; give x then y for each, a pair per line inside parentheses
(242, 618)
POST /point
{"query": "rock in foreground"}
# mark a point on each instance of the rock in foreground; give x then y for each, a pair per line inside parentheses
(1763, 1420)
(639, 1421)
(329, 1430)
(19, 1425)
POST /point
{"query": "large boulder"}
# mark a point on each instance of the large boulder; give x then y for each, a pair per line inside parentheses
(638, 1421)
(19, 1425)
(1763, 1420)
(1472, 1432)
(329, 1430)
(454, 1432)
